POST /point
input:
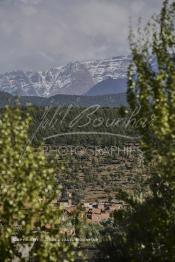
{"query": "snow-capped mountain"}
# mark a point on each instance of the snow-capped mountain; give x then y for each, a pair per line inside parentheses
(76, 78)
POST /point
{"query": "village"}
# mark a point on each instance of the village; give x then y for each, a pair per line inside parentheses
(94, 212)
(97, 177)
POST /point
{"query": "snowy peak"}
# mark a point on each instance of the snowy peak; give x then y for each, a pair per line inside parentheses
(76, 78)
(115, 68)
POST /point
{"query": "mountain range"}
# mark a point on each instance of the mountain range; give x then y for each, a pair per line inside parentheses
(108, 86)
(98, 77)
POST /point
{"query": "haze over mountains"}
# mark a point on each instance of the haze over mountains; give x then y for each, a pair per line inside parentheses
(108, 86)
(98, 77)
(65, 100)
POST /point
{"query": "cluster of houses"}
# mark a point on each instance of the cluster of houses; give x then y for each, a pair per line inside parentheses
(97, 212)
(94, 212)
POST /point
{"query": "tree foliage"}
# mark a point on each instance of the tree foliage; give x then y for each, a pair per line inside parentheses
(145, 230)
(28, 189)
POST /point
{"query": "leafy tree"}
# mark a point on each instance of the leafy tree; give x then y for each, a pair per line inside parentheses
(28, 189)
(145, 230)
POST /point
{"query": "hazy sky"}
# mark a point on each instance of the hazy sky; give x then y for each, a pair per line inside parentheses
(39, 34)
